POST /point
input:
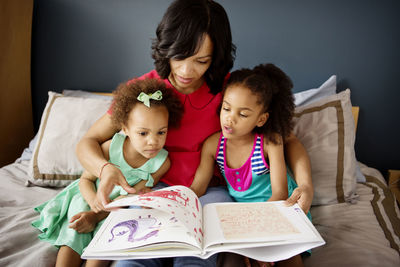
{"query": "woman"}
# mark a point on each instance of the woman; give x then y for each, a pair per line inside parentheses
(193, 54)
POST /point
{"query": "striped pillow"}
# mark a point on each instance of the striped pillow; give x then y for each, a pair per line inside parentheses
(64, 121)
(326, 129)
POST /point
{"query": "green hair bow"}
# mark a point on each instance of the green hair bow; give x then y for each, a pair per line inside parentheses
(145, 98)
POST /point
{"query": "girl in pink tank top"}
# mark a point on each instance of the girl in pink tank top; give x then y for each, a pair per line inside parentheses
(256, 117)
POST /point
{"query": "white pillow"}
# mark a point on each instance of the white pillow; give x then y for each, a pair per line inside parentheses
(326, 129)
(85, 94)
(64, 121)
(328, 88)
(309, 96)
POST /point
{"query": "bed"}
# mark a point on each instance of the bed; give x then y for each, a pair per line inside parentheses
(353, 209)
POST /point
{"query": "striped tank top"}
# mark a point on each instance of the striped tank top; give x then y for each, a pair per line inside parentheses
(241, 178)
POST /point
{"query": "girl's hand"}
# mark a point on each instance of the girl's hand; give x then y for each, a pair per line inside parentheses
(110, 177)
(145, 190)
(141, 187)
(83, 222)
(96, 205)
(303, 196)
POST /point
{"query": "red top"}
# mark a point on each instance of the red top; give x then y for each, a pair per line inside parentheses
(200, 120)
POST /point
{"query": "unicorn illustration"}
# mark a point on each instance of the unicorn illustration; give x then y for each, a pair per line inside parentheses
(136, 230)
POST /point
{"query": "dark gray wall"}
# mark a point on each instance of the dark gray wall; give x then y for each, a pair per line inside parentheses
(95, 44)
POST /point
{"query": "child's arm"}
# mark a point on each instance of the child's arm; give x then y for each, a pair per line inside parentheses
(300, 164)
(277, 166)
(141, 187)
(205, 170)
(86, 221)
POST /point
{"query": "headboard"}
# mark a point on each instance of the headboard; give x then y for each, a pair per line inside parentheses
(94, 46)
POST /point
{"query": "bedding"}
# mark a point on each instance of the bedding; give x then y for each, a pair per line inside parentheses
(359, 221)
(365, 233)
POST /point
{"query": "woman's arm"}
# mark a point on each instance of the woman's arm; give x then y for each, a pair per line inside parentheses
(277, 167)
(299, 163)
(205, 171)
(88, 190)
(91, 156)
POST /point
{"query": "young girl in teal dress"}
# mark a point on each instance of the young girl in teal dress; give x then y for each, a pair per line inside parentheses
(143, 109)
(256, 117)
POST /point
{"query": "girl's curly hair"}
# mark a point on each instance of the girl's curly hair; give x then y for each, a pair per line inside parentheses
(125, 99)
(273, 89)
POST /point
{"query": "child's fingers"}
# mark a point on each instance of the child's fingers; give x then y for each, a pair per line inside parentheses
(98, 207)
(74, 225)
(265, 264)
(145, 190)
(247, 262)
(75, 217)
(293, 198)
(78, 226)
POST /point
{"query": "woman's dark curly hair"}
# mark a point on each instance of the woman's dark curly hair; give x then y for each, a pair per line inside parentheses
(273, 89)
(181, 31)
(125, 99)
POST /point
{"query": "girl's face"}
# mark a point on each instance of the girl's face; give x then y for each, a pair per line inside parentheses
(240, 112)
(147, 129)
(187, 75)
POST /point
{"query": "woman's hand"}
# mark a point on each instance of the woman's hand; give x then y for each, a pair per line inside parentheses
(95, 205)
(302, 195)
(110, 177)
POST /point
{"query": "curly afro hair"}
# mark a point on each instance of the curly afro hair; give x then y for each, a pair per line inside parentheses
(125, 99)
(274, 91)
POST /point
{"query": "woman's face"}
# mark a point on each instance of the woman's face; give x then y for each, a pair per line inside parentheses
(187, 75)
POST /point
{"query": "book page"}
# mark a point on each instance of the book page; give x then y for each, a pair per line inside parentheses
(137, 228)
(179, 201)
(231, 223)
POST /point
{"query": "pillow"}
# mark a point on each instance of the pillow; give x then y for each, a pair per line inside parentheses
(328, 88)
(309, 96)
(86, 94)
(64, 121)
(326, 129)
(27, 153)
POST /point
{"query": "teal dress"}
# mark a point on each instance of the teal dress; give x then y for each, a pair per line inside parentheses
(56, 213)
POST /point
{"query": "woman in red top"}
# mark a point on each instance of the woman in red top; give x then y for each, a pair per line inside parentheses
(193, 54)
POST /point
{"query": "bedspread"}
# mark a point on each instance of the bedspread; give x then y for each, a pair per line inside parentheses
(362, 234)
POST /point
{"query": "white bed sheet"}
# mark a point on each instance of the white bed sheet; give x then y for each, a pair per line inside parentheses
(19, 243)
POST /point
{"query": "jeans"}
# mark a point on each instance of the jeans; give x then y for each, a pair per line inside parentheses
(213, 194)
(176, 262)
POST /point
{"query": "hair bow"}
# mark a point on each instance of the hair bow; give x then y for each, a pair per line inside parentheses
(145, 98)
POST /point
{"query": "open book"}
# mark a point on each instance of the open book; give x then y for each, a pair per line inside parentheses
(175, 224)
